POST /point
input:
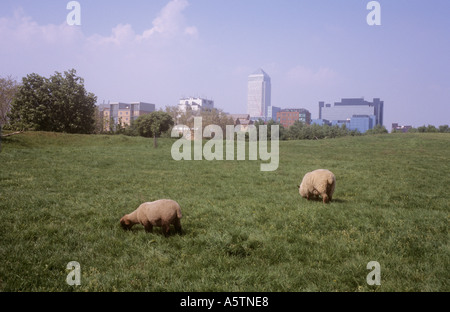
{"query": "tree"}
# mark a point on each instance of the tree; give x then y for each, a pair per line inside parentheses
(444, 128)
(153, 124)
(216, 117)
(295, 131)
(59, 103)
(378, 129)
(175, 113)
(422, 129)
(432, 128)
(269, 124)
(209, 117)
(8, 89)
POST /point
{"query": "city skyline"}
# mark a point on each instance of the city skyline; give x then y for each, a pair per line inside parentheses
(158, 51)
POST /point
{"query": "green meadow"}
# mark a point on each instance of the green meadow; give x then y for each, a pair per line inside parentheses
(61, 198)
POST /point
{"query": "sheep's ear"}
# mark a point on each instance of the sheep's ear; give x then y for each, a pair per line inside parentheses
(298, 186)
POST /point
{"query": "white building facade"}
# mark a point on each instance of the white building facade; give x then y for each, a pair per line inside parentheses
(195, 104)
(258, 94)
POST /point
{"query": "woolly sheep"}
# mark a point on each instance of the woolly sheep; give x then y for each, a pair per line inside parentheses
(163, 213)
(318, 182)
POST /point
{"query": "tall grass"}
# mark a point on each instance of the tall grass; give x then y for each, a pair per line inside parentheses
(61, 198)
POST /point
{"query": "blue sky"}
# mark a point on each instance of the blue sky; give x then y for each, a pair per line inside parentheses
(314, 50)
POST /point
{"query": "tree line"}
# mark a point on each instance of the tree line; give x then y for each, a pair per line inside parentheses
(429, 128)
(61, 103)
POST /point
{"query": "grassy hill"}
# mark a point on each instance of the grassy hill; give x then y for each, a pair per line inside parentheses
(61, 198)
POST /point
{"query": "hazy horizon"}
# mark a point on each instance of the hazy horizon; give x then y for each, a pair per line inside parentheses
(159, 51)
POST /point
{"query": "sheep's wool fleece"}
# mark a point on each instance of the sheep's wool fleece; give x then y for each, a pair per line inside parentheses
(163, 209)
(318, 182)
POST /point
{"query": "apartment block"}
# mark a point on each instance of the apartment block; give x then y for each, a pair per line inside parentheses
(116, 113)
(195, 104)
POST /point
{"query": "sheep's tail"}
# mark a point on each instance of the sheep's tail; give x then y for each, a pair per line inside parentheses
(331, 184)
(179, 215)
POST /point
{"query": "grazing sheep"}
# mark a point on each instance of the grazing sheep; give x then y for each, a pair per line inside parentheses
(163, 213)
(318, 182)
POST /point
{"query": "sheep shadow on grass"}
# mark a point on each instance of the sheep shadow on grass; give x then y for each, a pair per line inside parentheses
(156, 230)
(319, 199)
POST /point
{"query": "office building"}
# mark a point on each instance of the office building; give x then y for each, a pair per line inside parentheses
(362, 123)
(272, 113)
(287, 117)
(258, 95)
(355, 113)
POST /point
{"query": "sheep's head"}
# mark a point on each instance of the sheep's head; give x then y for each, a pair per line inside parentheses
(126, 223)
(302, 191)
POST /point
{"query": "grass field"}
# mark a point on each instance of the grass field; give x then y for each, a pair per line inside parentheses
(61, 198)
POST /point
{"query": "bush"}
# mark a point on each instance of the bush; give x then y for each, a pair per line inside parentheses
(378, 129)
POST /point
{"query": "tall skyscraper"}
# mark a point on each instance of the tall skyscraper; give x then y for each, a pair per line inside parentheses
(259, 93)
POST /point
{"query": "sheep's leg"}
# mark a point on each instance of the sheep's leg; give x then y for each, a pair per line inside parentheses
(165, 229)
(325, 198)
(177, 225)
(148, 227)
